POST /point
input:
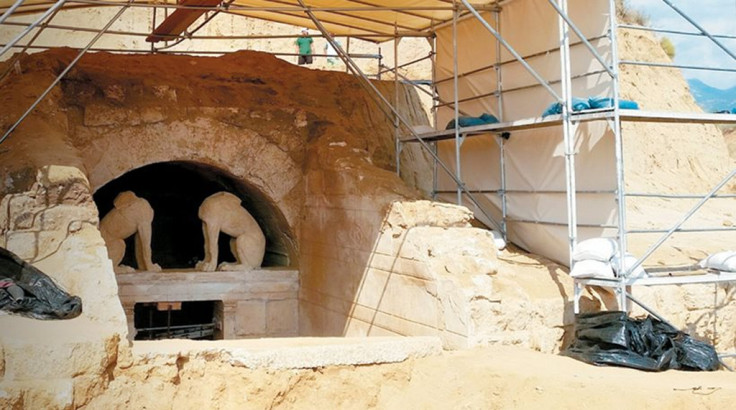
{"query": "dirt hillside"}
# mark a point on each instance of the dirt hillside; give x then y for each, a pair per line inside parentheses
(671, 159)
(730, 137)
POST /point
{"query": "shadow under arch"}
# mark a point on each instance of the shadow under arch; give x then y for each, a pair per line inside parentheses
(175, 190)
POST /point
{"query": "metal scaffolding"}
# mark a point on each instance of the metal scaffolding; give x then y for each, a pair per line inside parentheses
(568, 120)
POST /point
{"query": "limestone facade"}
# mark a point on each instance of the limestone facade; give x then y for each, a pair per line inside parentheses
(417, 268)
(59, 364)
(255, 303)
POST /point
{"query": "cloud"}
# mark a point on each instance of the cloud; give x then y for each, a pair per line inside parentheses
(715, 16)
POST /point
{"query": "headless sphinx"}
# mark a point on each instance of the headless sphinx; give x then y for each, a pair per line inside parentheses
(221, 212)
(130, 215)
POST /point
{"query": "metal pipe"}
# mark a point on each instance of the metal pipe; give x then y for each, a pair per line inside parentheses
(618, 141)
(577, 31)
(523, 87)
(648, 309)
(289, 8)
(10, 11)
(66, 70)
(434, 171)
(433, 61)
(177, 327)
(9, 64)
(408, 81)
(500, 140)
(544, 53)
(379, 98)
(499, 72)
(714, 229)
(680, 222)
(681, 66)
(380, 57)
(153, 27)
(465, 15)
(443, 103)
(511, 49)
(567, 130)
(531, 221)
(473, 98)
(33, 25)
(389, 69)
(166, 16)
(193, 52)
(668, 31)
(84, 29)
(531, 192)
(397, 139)
(347, 51)
(702, 30)
(679, 196)
(456, 105)
(504, 200)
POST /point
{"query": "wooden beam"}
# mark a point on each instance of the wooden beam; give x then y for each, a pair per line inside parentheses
(180, 20)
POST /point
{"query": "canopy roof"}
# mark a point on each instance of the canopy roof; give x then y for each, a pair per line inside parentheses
(373, 20)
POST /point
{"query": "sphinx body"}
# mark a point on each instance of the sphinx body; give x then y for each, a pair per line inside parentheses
(222, 212)
(131, 215)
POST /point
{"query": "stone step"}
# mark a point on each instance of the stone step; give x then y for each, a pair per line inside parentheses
(35, 350)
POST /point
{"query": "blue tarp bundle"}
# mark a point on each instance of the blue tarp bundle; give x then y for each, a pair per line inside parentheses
(470, 121)
(605, 102)
(578, 104)
(581, 104)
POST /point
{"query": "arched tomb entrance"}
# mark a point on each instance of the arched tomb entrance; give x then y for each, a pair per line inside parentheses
(182, 301)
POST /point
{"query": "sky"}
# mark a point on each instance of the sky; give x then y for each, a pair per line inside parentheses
(716, 16)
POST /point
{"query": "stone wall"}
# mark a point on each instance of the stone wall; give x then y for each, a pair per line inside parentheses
(407, 268)
(58, 364)
(250, 304)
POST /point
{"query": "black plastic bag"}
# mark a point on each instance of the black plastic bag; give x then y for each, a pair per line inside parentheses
(613, 338)
(26, 291)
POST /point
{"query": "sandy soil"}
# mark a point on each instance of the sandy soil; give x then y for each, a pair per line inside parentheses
(488, 378)
(671, 159)
(730, 136)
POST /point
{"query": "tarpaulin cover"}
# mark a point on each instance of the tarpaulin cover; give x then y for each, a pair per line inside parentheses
(613, 338)
(379, 19)
(26, 291)
(534, 160)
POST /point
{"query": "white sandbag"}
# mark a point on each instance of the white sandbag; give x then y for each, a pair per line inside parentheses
(723, 261)
(629, 261)
(592, 269)
(498, 240)
(597, 249)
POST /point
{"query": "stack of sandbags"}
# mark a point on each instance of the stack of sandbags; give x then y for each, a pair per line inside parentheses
(722, 261)
(599, 258)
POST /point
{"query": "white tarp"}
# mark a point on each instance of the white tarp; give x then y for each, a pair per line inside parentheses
(534, 159)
